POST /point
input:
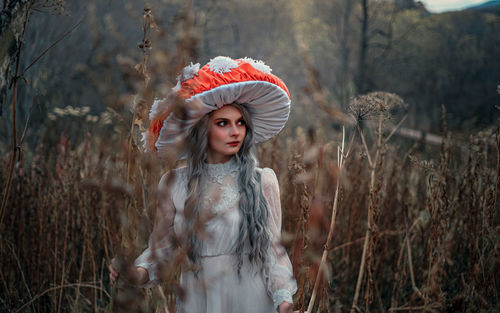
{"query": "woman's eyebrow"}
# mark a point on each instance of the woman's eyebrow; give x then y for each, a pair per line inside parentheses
(227, 119)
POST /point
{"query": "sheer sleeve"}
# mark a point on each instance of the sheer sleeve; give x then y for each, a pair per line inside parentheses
(280, 282)
(160, 245)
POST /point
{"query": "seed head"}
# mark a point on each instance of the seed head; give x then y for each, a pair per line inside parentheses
(365, 107)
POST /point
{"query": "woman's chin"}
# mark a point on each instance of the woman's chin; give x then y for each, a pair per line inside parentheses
(232, 150)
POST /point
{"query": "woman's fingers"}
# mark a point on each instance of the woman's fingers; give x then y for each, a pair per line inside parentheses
(285, 307)
(113, 272)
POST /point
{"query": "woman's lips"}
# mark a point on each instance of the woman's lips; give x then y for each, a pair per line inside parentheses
(233, 143)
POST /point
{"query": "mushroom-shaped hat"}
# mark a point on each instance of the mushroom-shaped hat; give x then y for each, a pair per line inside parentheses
(222, 81)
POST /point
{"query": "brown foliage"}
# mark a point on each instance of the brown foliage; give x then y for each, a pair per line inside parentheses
(72, 209)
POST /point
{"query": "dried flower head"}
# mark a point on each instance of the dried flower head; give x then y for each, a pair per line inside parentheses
(70, 111)
(365, 107)
(427, 165)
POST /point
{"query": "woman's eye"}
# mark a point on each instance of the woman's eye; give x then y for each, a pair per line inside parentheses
(241, 122)
(222, 123)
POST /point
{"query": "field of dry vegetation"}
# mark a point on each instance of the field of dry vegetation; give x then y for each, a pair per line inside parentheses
(432, 237)
(415, 226)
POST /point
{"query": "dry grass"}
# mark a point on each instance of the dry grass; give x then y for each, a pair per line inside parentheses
(71, 209)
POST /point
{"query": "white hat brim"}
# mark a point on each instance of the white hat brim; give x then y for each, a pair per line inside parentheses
(268, 105)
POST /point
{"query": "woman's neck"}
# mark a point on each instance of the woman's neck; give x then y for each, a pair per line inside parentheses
(219, 158)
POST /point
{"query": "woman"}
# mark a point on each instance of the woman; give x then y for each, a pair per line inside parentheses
(220, 209)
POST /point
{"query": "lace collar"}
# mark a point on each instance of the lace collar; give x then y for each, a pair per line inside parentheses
(218, 171)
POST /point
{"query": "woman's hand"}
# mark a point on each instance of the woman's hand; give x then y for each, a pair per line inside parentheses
(132, 274)
(113, 270)
(287, 307)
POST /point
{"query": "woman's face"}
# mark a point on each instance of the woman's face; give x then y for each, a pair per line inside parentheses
(226, 133)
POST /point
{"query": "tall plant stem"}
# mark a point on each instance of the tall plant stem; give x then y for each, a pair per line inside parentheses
(497, 181)
(340, 163)
(373, 165)
(13, 156)
(63, 271)
(130, 142)
(146, 25)
(363, 141)
(14, 134)
(410, 266)
(15, 79)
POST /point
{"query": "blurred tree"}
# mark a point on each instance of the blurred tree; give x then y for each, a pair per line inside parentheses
(448, 59)
(363, 47)
(352, 46)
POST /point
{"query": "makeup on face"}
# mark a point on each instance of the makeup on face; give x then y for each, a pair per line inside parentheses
(226, 133)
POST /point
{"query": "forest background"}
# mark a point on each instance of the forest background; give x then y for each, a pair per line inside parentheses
(415, 217)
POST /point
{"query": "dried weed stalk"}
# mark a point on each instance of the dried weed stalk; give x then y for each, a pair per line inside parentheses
(378, 105)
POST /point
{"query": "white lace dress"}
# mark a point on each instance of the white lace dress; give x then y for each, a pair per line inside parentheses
(218, 288)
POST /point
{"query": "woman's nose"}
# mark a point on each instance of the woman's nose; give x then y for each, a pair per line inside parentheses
(234, 132)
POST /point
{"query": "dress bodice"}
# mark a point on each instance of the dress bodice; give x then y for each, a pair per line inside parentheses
(218, 208)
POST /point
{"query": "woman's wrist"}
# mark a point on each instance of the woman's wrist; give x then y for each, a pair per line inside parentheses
(142, 275)
(285, 307)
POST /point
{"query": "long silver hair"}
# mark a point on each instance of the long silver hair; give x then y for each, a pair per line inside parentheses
(253, 207)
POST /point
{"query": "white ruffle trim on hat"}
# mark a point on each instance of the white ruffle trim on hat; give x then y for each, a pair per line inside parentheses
(177, 87)
(258, 65)
(222, 64)
(189, 72)
(158, 108)
(268, 105)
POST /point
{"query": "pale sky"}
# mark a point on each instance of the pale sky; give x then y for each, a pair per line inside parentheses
(449, 5)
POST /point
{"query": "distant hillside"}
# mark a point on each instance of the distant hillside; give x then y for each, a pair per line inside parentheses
(450, 60)
(486, 6)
